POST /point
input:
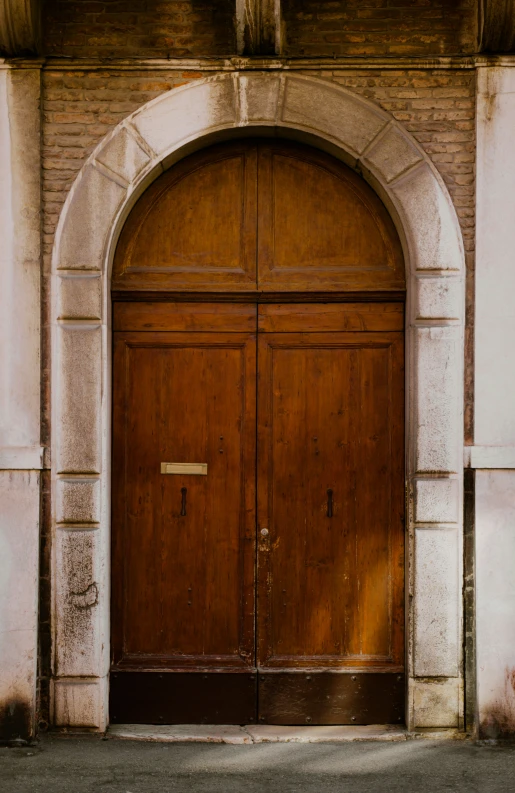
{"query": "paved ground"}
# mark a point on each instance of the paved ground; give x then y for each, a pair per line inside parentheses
(92, 765)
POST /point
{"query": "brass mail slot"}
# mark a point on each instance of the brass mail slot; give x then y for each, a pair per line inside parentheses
(184, 468)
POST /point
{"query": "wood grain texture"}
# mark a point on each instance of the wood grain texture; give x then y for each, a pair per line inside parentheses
(322, 697)
(327, 317)
(165, 295)
(170, 697)
(169, 316)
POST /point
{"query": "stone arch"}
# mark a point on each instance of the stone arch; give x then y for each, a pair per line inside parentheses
(116, 173)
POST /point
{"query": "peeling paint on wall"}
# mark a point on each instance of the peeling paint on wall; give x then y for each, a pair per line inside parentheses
(86, 599)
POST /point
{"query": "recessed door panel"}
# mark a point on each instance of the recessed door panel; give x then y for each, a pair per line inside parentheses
(195, 227)
(320, 226)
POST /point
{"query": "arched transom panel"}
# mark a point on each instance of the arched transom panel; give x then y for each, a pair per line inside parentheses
(259, 214)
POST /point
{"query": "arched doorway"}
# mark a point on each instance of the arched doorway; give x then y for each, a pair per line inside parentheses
(258, 448)
(116, 173)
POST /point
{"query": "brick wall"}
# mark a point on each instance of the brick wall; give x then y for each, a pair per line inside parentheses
(205, 28)
(142, 28)
(379, 27)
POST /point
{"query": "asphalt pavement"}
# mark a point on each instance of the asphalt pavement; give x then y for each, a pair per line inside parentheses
(92, 765)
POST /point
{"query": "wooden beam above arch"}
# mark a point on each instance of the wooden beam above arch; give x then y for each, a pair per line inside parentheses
(20, 28)
(258, 27)
(497, 26)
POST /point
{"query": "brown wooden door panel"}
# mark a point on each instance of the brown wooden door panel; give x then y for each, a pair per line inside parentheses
(330, 443)
(171, 697)
(331, 697)
(183, 584)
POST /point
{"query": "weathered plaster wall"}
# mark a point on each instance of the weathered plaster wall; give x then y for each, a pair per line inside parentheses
(20, 450)
(495, 312)
(494, 451)
(19, 547)
(495, 601)
(20, 263)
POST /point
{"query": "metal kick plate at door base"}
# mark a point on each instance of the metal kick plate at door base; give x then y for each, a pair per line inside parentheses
(184, 468)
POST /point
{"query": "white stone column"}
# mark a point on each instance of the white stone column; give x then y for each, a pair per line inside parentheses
(20, 449)
(494, 452)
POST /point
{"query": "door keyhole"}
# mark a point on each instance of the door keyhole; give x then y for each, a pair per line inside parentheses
(184, 490)
(329, 503)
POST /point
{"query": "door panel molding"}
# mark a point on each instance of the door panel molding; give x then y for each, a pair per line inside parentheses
(172, 242)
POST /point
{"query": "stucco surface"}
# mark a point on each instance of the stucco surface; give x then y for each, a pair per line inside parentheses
(21, 455)
(495, 601)
(19, 557)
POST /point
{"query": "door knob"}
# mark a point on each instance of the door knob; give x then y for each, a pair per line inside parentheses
(264, 532)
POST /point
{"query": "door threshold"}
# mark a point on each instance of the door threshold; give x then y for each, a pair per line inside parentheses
(250, 734)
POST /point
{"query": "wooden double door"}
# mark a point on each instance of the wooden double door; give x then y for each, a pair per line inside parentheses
(258, 513)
